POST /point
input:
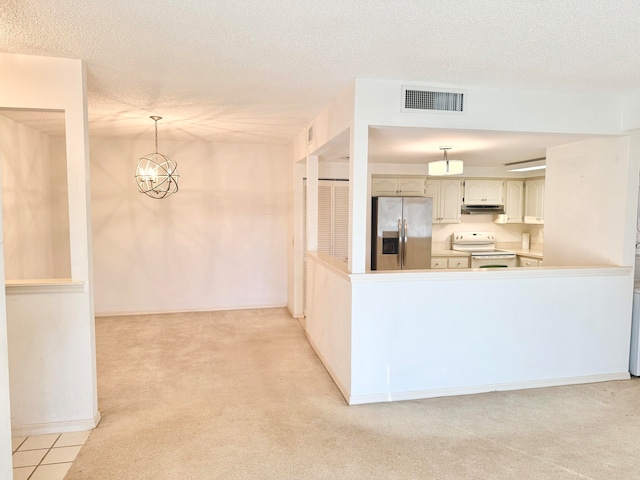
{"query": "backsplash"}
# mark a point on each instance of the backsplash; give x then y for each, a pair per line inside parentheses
(507, 235)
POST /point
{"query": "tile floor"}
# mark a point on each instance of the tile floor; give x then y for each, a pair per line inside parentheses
(46, 457)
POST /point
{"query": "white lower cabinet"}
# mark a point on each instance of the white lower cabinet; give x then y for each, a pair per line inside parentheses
(438, 263)
(528, 262)
(449, 262)
(458, 262)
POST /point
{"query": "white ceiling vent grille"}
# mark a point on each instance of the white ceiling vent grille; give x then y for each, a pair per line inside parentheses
(310, 134)
(432, 100)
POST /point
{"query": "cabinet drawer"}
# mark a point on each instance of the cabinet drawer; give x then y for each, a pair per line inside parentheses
(527, 262)
(438, 263)
(461, 262)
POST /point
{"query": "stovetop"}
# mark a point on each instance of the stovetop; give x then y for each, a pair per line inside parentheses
(477, 244)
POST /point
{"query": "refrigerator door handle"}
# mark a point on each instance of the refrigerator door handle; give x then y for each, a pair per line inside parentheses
(404, 246)
(400, 247)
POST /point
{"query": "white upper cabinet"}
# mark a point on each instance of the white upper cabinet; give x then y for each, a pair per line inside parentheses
(480, 191)
(513, 204)
(534, 201)
(412, 186)
(446, 200)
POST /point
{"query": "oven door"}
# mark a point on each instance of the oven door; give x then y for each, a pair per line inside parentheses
(493, 261)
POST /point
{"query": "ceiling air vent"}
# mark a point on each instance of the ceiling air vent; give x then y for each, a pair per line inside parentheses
(432, 100)
(310, 134)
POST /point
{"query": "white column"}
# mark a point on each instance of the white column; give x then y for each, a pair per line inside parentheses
(358, 196)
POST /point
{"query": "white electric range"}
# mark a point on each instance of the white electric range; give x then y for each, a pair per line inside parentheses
(481, 247)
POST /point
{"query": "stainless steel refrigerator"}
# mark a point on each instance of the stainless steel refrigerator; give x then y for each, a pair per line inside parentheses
(401, 233)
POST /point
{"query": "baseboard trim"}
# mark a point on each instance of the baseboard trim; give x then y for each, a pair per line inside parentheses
(341, 387)
(55, 427)
(472, 390)
(189, 310)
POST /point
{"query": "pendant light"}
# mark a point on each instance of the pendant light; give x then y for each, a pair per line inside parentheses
(156, 174)
(445, 166)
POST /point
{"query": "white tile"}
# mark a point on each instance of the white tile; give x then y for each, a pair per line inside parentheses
(51, 472)
(34, 442)
(73, 438)
(22, 473)
(16, 442)
(61, 454)
(28, 458)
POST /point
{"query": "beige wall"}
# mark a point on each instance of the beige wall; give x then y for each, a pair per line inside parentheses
(219, 243)
(34, 191)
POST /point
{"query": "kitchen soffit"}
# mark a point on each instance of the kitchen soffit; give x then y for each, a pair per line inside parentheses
(478, 148)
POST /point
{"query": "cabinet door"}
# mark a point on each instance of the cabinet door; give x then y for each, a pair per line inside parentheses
(432, 189)
(527, 262)
(541, 201)
(473, 192)
(438, 263)
(534, 201)
(384, 187)
(513, 201)
(458, 262)
(411, 187)
(493, 192)
(450, 201)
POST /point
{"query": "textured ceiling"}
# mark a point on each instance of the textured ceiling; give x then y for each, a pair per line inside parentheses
(258, 71)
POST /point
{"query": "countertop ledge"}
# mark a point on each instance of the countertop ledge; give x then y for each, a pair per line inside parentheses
(47, 285)
(481, 274)
(537, 254)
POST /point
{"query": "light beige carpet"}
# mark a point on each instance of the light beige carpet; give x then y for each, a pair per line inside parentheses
(241, 395)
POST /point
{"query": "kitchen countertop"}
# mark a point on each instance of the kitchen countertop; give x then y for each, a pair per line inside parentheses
(448, 253)
(528, 253)
(537, 254)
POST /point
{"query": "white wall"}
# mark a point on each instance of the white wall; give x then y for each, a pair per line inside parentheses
(6, 472)
(27, 201)
(328, 323)
(515, 329)
(587, 202)
(631, 110)
(51, 379)
(60, 208)
(41, 83)
(219, 243)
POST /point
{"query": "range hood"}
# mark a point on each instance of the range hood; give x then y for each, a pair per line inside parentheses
(482, 209)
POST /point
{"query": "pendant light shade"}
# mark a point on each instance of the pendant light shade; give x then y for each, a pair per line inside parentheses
(445, 166)
(156, 174)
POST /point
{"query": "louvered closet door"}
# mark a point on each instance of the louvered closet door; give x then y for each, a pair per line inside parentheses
(325, 216)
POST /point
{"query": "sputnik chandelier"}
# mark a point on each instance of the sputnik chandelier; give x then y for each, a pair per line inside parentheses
(156, 174)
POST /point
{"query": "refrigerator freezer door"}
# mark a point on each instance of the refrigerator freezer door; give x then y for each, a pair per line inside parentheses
(387, 221)
(417, 213)
(402, 229)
